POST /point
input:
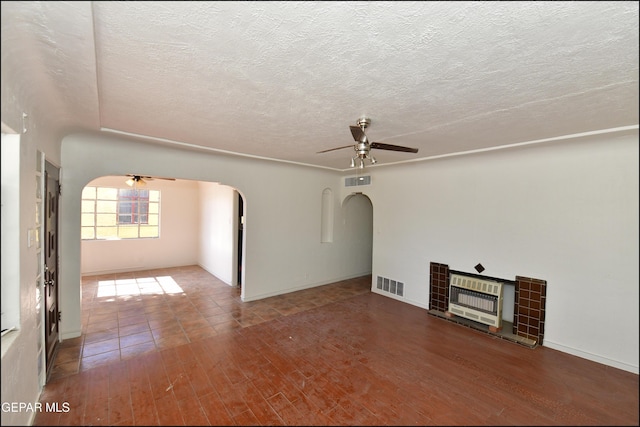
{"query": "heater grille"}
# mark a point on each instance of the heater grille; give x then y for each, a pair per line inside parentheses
(477, 299)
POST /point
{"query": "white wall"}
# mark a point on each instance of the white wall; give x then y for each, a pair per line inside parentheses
(566, 213)
(179, 232)
(218, 232)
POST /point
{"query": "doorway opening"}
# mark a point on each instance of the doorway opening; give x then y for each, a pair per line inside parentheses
(358, 220)
(240, 237)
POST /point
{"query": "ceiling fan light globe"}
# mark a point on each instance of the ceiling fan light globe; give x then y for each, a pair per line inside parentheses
(136, 181)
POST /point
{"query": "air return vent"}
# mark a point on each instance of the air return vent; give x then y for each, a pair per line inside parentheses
(389, 285)
(354, 181)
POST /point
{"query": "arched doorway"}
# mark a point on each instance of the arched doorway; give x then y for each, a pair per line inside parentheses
(358, 230)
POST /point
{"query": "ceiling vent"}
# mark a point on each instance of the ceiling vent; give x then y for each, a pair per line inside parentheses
(355, 181)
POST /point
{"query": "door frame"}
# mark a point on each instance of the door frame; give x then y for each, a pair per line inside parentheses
(239, 243)
(50, 264)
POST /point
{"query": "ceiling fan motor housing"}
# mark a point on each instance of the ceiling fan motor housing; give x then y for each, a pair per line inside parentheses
(362, 148)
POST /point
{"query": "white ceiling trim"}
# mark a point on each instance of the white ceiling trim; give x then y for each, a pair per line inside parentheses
(208, 149)
(620, 129)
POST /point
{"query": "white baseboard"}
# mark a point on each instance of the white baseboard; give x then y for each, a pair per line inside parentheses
(593, 357)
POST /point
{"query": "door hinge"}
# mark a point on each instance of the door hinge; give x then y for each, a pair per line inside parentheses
(59, 316)
(59, 189)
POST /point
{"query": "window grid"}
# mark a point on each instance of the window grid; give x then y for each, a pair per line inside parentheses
(112, 213)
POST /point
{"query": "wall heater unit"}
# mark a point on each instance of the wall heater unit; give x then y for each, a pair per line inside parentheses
(476, 299)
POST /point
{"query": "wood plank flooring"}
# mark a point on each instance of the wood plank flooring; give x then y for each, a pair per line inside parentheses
(178, 347)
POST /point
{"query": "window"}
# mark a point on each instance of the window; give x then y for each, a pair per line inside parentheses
(11, 224)
(112, 213)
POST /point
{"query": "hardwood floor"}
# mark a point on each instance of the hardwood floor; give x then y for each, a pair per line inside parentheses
(178, 347)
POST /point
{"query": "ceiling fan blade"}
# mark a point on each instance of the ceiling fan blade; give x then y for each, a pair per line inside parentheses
(358, 134)
(149, 178)
(391, 147)
(337, 148)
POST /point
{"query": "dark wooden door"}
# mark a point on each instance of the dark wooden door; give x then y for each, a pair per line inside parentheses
(50, 243)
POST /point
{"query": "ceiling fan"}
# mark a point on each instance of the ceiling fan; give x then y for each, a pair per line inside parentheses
(141, 181)
(363, 147)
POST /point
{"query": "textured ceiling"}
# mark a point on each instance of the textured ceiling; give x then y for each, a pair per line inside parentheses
(284, 80)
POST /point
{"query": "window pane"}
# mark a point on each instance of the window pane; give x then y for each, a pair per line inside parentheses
(106, 232)
(148, 231)
(88, 219)
(154, 208)
(106, 219)
(107, 193)
(87, 233)
(124, 208)
(128, 232)
(126, 193)
(88, 206)
(89, 193)
(154, 195)
(105, 206)
(124, 219)
(153, 220)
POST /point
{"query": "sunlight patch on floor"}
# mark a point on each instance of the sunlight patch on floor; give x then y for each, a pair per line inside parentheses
(141, 286)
